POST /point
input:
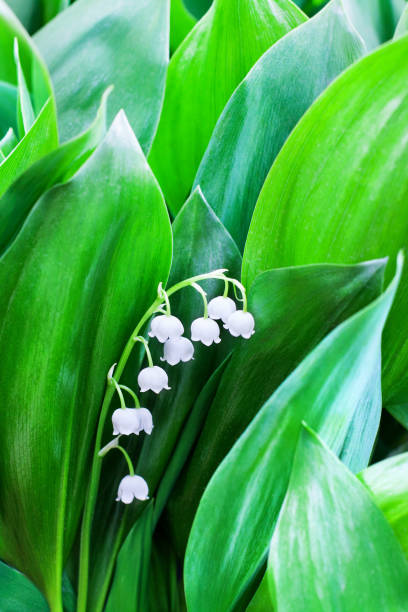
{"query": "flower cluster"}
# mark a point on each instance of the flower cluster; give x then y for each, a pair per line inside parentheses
(169, 330)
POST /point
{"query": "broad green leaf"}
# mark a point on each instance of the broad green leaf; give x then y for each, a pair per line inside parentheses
(331, 384)
(201, 244)
(92, 45)
(80, 273)
(202, 75)
(294, 309)
(56, 167)
(388, 483)
(375, 20)
(17, 593)
(348, 153)
(332, 548)
(8, 106)
(129, 587)
(165, 587)
(402, 27)
(265, 108)
(400, 413)
(181, 22)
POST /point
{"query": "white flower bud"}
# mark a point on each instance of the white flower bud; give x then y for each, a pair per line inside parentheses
(241, 323)
(153, 378)
(205, 331)
(221, 307)
(132, 487)
(177, 349)
(126, 421)
(164, 327)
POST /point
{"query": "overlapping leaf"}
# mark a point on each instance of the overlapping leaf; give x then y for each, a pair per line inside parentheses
(181, 22)
(375, 20)
(92, 45)
(332, 548)
(264, 109)
(337, 191)
(327, 389)
(294, 308)
(202, 75)
(82, 269)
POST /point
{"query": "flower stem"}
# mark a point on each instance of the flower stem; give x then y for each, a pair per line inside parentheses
(241, 287)
(119, 391)
(163, 295)
(132, 393)
(128, 459)
(146, 345)
(96, 466)
(204, 296)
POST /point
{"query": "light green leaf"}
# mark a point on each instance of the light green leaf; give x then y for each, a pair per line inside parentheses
(202, 75)
(294, 309)
(129, 587)
(17, 593)
(181, 22)
(25, 111)
(332, 384)
(68, 302)
(388, 483)
(93, 45)
(402, 26)
(8, 106)
(56, 167)
(265, 108)
(339, 184)
(332, 548)
(7, 143)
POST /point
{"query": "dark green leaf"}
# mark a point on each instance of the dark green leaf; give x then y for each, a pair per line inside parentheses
(337, 191)
(95, 44)
(81, 272)
(332, 548)
(129, 588)
(245, 494)
(264, 109)
(8, 106)
(294, 308)
(17, 593)
(202, 75)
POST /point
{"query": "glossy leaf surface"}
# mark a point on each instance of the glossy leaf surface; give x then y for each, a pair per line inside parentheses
(375, 20)
(265, 108)
(332, 385)
(17, 593)
(181, 22)
(80, 273)
(338, 186)
(202, 75)
(388, 482)
(294, 308)
(92, 45)
(329, 520)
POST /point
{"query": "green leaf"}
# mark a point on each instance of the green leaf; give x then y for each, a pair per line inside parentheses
(294, 309)
(202, 75)
(56, 167)
(265, 108)
(8, 106)
(181, 22)
(93, 45)
(35, 70)
(17, 593)
(332, 548)
(198, 8)
(348, 153)
(129, 588)
(400, 413)
(402, 26)
(25, 111)
(165, 588)
(332, 383)
(80, 273)
(375, 20)
(388, 483)
(7, 143)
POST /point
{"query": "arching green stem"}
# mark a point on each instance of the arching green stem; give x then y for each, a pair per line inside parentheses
(146, 345)
(203, 294)
(132, 393)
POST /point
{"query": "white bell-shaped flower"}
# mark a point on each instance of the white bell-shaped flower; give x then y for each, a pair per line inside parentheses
(241, 323)
(177, 349)
(205, 331)
(132, 487)
(164, 327)
(126, 421)
(221, 307)
(153, 378)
